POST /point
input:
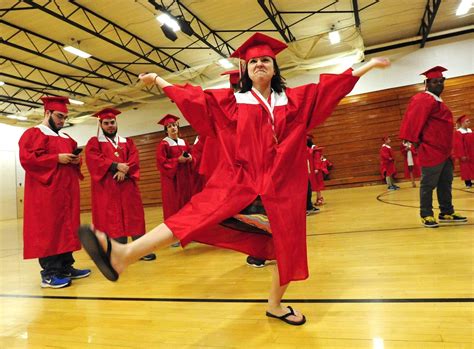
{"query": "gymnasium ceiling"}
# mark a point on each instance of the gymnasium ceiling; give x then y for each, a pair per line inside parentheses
(124, 39)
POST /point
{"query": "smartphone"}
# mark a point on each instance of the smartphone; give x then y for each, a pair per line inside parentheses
(77, 151)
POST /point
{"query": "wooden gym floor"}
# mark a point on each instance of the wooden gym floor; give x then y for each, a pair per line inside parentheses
(378, 279)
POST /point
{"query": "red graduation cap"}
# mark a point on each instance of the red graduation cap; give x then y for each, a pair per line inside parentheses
(107, 113)
(435, 72)
(168, 119)
(461, 119)
(309, 137)
(234, 76)
(259, 45)
(56, 103)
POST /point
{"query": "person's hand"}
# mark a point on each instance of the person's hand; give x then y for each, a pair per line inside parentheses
(380, 62)
(148, 78)
(76, 161)
(189, 158)
(67, 158)
(119, 176)
(123, 167)
(182, 159)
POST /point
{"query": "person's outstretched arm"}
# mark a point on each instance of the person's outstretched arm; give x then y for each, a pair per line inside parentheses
(376, 62)
(153, 78)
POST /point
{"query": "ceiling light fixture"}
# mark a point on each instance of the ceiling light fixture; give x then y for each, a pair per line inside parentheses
(2, 83)
(75, 101)
(225, 63)
(334, 37)
(464, 7)
(169, 21)
(77, 52)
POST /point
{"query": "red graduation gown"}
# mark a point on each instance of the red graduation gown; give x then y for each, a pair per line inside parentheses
(429, 122)
(252, 163)
(206, 157)
(416, 163)
(51, 208)
(176, 178)
(116, 206)
(387, 161)
(315, 169)
(464, 148)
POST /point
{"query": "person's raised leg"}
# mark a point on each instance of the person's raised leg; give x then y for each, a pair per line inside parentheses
(125, 254)
(274, 299)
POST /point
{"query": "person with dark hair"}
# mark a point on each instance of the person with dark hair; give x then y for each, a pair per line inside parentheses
(315, 176)
(174, 162)
(387, 163)
(428, 124)
(261, 134)
(114, 166)
(52, 173)
(464, 149)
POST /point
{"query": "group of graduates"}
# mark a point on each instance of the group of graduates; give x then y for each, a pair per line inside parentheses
(254, 159)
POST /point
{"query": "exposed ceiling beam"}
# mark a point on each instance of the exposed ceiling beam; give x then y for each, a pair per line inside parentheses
(93, 23)
(355, 7)
(276, 18)
(427, 20)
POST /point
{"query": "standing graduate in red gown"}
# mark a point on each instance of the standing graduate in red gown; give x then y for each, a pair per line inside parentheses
(175, 163)
(411, 164)
(387, 163)
(261, 133)
(428, 124)
(316, 175)
(51, 211)
(114, 166)
(464, 149)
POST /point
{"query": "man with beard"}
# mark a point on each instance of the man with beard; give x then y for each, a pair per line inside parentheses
(428, 124)
(113, 163)
(52, 173)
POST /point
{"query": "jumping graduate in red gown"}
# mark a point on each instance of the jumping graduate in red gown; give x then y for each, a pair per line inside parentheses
(464, 149)
(428, 124)
(175, 163)
(114, 166)
(261, 132)
(316, 175)
(387, 163)
(411, 164)
(51, 211)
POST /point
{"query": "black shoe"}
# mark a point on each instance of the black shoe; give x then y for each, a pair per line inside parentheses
(313, 210)
(255, 262)
(451, 218)
(148, 257)
(429, 222)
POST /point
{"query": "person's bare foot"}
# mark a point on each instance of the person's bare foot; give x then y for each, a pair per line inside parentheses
(281, 310)
(117, 257)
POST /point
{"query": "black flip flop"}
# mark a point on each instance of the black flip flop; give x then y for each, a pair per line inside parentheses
(284, 318)
(94, 249)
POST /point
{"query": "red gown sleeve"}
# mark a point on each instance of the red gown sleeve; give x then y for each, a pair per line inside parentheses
(418, 111)
(320, 100)
(133, 160)
(97, 163)
(34, 157)
(192, 102)
(167, 166)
